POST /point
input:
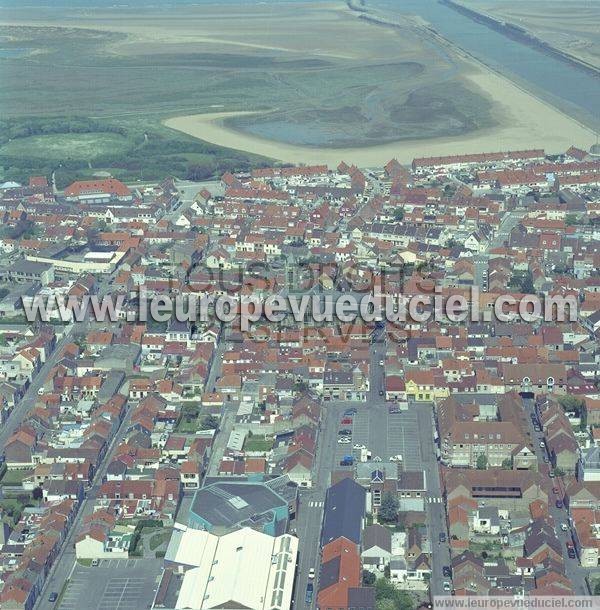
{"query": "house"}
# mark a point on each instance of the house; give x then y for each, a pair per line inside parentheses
(105, 191)
(423, 386)
(98, 538)
(25, 271)
(191, 475)
(376, 547)
(486, 521)
(586, 538)
(535, 379)
(20, 448)
(468, 574)
(340, 578)
(411, 488)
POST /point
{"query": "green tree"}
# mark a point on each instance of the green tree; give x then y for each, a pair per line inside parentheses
(526, 285)
(368, 578)
(38, 493)
(399, 214)
(388, 512)
(210, 422)
(571, 219)
(507, 464)
(481, 462)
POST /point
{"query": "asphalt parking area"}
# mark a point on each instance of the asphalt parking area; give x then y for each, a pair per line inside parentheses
(115, 584)
(403, 438)
(385, 435)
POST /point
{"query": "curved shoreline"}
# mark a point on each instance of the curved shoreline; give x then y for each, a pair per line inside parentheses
(529, 123)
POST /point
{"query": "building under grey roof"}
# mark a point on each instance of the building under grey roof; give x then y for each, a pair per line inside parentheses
(344, 512)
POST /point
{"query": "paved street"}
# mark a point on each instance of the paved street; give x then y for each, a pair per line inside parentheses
(573, 570)
(23, 407)
(66, 558)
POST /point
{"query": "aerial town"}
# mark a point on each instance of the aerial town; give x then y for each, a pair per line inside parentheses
(301, 464)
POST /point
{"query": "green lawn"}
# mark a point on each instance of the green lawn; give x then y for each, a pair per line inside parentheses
(258, 443)
(159, 539)
(12, 508)
(14, 477)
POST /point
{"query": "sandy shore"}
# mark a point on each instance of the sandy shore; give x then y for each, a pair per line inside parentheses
(527, 123)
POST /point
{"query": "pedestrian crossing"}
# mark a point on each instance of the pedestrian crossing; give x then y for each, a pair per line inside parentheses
(316, 504)
(435, 500)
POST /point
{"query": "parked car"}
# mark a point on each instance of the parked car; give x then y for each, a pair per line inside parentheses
(442, 537)
(344, 440)
(53, 596)
(347, 421)
(447, 586)
(350, 412)
(564, 527)
(309, 593)
(344, 432)
(95, 562)
(446, 571)
(542, 445)
(559, 504)
(571, 553)
(381, 392)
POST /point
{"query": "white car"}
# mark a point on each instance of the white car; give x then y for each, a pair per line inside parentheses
(381, 362)
(542, 445)
(344, 440)
(311, 573)
(446, 586)
(564, 527)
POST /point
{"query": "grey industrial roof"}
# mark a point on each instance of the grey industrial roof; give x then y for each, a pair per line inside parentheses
(344, 512)
(227, 504)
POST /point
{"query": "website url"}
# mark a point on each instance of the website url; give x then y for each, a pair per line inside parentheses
(345, 308)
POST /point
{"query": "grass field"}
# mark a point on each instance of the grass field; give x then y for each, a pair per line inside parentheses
(131, 70)
(258, 443)
(132, 149)
(63, 146)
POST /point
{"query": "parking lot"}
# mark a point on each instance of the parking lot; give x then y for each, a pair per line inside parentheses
(384, 434)
(115, 584)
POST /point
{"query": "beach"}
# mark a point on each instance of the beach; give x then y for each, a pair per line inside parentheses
(527, 122)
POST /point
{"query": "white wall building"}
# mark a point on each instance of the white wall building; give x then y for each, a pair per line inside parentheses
(242, 569)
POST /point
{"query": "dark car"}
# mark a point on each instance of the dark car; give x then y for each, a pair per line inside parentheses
(53, 596)
(571, 553)
(559, 504)
(381, 392)
(446, 571)
(442, 537)
(309, 593)
(350, 412)
(345, 432)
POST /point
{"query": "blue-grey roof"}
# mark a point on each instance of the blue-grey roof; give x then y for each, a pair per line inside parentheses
(344, 512)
